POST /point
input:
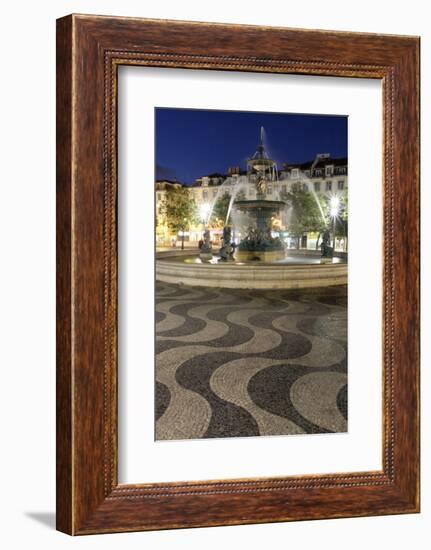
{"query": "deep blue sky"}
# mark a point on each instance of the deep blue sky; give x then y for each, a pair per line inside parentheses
(191, 142)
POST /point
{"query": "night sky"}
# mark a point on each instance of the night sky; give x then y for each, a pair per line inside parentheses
(191, 142)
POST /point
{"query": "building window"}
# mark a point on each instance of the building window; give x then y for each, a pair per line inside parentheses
(270, 189)
(295, 173)
(204, 195)
(317, 186)
(284, 188)
(329, 186)
(159, 198)
(329, 170)
(340, 185)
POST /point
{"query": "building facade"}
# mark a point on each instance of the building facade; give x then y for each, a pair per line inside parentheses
(324, 177)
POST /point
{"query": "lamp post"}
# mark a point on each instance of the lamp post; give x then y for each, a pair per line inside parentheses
(334, 208)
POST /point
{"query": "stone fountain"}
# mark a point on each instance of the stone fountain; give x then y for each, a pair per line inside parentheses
(258, 243)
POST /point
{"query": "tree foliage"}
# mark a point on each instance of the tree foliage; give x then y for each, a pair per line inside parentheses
(180, 209)
(305, 212)
(307, 209)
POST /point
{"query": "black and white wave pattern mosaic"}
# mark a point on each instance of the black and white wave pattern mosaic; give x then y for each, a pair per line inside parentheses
(238, 363)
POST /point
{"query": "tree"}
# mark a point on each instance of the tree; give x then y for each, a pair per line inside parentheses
(180, 209)
(305, 213)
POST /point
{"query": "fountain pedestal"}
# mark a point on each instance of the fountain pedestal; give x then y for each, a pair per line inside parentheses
(258, 243)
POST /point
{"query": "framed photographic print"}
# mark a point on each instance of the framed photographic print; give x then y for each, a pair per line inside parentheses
(237, 274)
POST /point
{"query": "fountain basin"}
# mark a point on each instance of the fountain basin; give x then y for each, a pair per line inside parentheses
(174, 269)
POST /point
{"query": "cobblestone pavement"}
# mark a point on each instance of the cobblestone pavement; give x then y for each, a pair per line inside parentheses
(236, 363)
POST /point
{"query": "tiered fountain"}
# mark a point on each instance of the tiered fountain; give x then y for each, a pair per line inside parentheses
(259, 244)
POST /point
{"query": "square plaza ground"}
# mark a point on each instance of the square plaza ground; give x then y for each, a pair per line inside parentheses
(250, 362)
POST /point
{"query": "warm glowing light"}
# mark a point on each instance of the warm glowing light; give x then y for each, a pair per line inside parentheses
(204, 210)
(334, 207)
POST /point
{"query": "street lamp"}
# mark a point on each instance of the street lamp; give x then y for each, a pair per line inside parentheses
(334, 208)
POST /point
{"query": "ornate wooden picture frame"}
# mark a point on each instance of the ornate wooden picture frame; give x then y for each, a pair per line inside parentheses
(89, 51)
